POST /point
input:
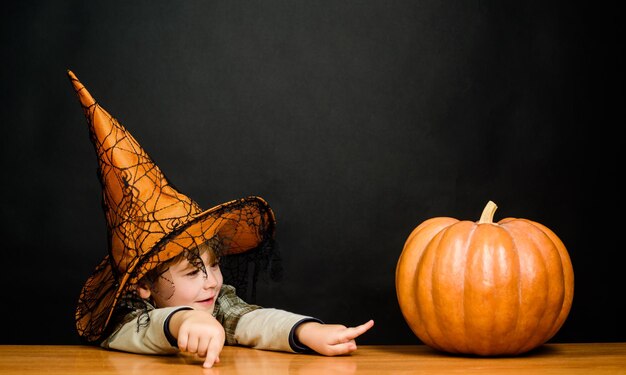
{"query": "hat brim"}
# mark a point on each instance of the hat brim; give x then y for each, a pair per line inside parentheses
(241, 225)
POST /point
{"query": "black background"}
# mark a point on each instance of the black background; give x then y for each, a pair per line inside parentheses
(355, 120)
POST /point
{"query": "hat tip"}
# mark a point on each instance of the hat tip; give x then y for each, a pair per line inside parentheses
(85, 98)
(71, 75)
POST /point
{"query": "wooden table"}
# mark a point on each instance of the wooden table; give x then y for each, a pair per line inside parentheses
(587, 359)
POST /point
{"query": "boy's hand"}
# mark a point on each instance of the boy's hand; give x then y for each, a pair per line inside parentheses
(331, 339)
(200, 333)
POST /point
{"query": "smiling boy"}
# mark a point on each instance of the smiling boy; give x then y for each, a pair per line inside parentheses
(160, 288)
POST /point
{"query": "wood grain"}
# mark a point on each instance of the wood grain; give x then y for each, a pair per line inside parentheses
(592, 358)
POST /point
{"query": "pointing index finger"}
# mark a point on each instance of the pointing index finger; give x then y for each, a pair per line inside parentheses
(357, 331)
(213, 353)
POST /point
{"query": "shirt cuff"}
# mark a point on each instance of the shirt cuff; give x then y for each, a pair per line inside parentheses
(166, 327)
(295, 344)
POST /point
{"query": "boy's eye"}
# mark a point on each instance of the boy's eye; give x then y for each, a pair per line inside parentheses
(216, 263)
(192, 273)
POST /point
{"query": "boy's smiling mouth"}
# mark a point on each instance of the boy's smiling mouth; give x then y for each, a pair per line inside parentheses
(208, 301)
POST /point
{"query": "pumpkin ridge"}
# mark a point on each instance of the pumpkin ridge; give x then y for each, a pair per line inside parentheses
(566, 272)
(536, 336)
(516, 328)
(448, 262)
(431, 331)
(466, 345)
(408, 267)
(556, 307)
(479, 311)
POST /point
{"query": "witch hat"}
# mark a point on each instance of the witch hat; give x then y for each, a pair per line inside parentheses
(148, 220)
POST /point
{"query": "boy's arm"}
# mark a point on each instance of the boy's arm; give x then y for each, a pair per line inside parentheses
(271, 329)
(168, 331)
(274, 329)
(147, 336)
(257, 327)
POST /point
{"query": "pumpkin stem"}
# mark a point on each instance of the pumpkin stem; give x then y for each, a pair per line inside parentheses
(488, 212)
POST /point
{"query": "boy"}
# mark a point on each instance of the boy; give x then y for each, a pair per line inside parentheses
(160, 288)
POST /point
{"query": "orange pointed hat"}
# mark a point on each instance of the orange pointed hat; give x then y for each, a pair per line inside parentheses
(148, 220)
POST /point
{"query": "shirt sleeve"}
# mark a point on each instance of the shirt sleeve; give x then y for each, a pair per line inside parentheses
(271, 329)
(150, 338)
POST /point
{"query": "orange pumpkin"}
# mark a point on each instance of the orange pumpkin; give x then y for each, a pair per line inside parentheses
(484, 288)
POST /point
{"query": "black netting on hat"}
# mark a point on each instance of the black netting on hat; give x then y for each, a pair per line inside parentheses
(241, 271)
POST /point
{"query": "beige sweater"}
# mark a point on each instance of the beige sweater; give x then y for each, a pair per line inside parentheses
(264, 328)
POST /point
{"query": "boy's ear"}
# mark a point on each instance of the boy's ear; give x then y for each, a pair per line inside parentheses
(143, 291)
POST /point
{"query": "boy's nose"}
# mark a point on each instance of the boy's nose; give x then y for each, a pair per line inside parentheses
(210, 280)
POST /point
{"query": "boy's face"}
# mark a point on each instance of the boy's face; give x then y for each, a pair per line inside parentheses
(184, 284)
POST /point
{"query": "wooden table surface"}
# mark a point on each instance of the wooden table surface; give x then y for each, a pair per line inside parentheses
(587, 359)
